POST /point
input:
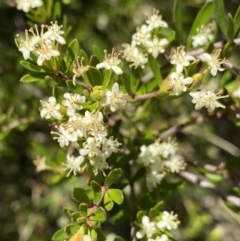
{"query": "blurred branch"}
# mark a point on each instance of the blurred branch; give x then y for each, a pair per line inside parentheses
(193, 178)
(17, 123)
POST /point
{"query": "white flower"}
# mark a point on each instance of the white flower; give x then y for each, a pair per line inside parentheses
(98, 163)
(109, 146)
(132, 54)
(156, 46)
(206, 98)
(156, 21)
(73, 102)
(203, 36)
(115, 99)
(90, 148)
(169, 221)
(27, 45)
(93, 124)
(213, 61)
(36, 3)
(180, 59)
(40, 163)
(129, 51)
(168, 148)
(26, 5)
(142, 35)
(111, 62)
(148, 228)
(74, 164)
(50, 109)
(86, 238)
(45, 51)
(179, 83)
(175, 164)
(66, 133)
(154, 177)
(146, 156)
(54, 33)
(236, 93)
(79, 69)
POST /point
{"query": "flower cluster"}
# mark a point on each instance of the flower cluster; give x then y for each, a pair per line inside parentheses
(43, 45)
(177, 81)
(85, 130)
(26, 5)
(160, 158)
(155, 230)
(204, 35)
(206, 98)
(149, 39)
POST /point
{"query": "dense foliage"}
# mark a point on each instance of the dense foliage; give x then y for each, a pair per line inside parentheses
(120, 120)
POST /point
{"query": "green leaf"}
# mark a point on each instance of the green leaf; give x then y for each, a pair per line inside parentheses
(118, 238)
(72, 52)
(203, 17)
(100, 236)
(83, 208)
(228, 49)
(221, 16)
(29, 78)
(80, 195)
(99, 215)
(60, 235)
(192, 68)
(93, 61)
(71, 228)
(76, 215)
(116, 195)
(139, 215)
(94, 76)
(83, 54)
(171, 36)
(126, 83)
(97, 192)
(107, 201)
(68, 212)
(155, 69)
(98, 178)
(134, 83)
(112, 177)
(236, 21)
(48, 7)
(96, 51)
(177, 19)
(57, 11)
(32, 67)
(230, 30)
(215, 178)
(118, 217)
(153, 212)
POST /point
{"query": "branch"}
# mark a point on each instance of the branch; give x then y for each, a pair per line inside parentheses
(206, 184)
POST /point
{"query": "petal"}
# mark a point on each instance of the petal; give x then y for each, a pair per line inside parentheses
(187, 81)
(140, 234)
(40, 60)
(205, 57)
(117, 70)
(101, 65)
(145, 220)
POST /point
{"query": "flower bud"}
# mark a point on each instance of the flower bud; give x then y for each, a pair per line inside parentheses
(98, 93)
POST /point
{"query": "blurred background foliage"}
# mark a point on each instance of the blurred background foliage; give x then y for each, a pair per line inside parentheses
(31, 203)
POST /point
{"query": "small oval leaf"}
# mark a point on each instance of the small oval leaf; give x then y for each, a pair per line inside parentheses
(116, 195)
(112, 177)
